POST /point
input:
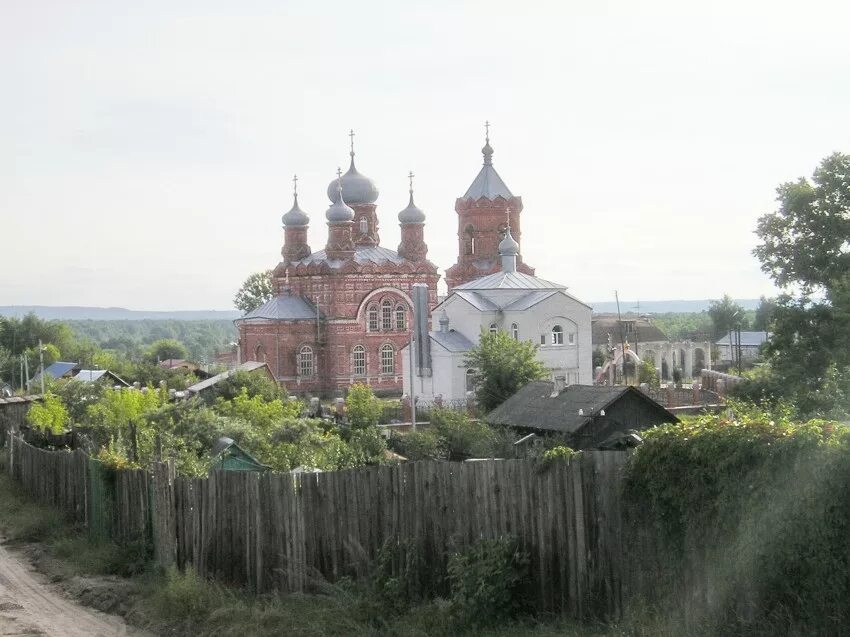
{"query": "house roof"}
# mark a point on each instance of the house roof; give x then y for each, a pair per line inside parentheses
(510, 281)
(248, 366)
(748, 339)
(534, 406)
(284, 307)
(452, 341)
(601, 326)
(92, 375)
(477, 301)
(59, 369)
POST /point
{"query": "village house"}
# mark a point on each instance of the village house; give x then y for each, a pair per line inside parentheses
(588, 416)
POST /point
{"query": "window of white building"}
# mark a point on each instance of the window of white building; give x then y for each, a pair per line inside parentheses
(557, 335)
(515, 331)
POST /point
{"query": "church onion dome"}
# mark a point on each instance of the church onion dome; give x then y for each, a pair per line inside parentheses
(508, 246)
(339, 212)
(296, 216)
(411, 214)
(356, 188)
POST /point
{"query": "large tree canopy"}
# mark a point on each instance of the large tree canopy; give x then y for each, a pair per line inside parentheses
(255, 290)
(805, 248)
(806, 242)
(503, 366)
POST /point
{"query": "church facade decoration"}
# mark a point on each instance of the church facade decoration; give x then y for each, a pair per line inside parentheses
(341, 315)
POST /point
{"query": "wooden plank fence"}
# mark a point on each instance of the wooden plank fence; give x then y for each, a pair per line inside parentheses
(271, 531)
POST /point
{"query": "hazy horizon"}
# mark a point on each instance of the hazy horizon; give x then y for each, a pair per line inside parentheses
(147, 151)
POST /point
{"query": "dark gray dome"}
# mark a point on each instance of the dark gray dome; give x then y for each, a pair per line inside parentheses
(411, 214)
(508, 247)
(296, 216)
(356, 188)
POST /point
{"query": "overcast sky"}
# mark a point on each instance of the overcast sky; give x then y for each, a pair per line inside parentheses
(147, 148)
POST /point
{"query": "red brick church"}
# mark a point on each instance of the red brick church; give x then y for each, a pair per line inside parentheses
(342, 314)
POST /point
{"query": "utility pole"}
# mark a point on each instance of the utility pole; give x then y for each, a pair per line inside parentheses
(26, 374)
(412, 353)
(622, 337)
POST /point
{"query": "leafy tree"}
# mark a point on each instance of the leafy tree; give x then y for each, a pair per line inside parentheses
(764, 314)
(503, 366)
(804, 243)
(165, 349)
(255, 290)
(49, 415)
(804, 248)
(647, 373)
(362, 407)
(726, 314)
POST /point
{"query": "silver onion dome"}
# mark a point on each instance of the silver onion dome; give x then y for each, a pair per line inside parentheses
(508, 247)
(356, 188)
(411, 214)
(295, 216)
(339, 212)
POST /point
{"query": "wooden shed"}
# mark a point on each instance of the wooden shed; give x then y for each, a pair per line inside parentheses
(587, 415)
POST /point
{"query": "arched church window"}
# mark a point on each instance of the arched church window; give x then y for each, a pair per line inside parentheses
(373, 318)
(515, 331)
(400, 318)
(387, 315)
(493, 328)
(557, 335)
(387, 359)
(260, 353)
(358, 360)
(469, 240)
(305, 361)
(364, 225)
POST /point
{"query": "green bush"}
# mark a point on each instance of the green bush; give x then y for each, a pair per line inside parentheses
(463, 437)
(362, 408)
(422, 444)
(486, 581)
(753, 509)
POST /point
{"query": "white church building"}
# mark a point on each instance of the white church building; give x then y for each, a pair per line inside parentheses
(526, 307)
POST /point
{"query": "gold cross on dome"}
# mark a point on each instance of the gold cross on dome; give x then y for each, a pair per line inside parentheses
(487, 130)
(295, 185)
(351, 135)
(410, 177)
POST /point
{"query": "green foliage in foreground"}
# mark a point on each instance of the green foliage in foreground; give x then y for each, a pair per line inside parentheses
(751, 518)
(49, 415)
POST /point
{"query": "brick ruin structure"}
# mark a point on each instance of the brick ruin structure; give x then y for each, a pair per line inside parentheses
(342, 315)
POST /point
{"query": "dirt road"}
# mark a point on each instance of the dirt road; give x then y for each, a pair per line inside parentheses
(31, 606)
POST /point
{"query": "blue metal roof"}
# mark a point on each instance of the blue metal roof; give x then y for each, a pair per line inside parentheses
(59, 369)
